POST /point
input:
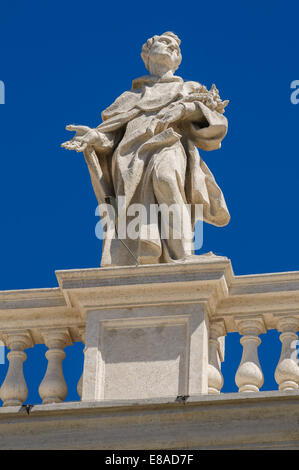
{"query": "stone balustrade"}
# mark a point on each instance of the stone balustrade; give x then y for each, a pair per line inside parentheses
(249, 376)
(53, 388)
(32, 317)
(149, 322)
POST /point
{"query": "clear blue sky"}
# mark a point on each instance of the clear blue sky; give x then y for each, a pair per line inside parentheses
(64, 62)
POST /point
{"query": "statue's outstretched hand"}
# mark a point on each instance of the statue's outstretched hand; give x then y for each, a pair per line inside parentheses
(84, 136)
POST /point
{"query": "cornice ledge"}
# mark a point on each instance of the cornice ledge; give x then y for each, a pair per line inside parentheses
(153, 273)
(265, 283)
(31, 298)
(145, 285)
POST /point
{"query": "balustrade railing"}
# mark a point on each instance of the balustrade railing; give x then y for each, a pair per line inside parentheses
(178, 297)
(249, 376)
(53, 387)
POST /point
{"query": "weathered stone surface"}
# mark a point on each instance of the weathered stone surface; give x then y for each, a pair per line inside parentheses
(264, 420)
(128, 316)
(145, 151)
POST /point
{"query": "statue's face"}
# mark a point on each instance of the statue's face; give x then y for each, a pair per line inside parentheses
(165, 51)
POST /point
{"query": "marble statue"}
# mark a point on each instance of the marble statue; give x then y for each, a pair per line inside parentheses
(146, 150)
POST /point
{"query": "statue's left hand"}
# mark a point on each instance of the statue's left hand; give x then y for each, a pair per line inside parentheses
(167, 117)
(84, 136)
(173, 113)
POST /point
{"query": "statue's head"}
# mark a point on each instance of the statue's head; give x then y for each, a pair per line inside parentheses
(162, 52)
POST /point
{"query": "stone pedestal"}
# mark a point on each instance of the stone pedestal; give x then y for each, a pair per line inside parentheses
(147, 327)
(146, 352)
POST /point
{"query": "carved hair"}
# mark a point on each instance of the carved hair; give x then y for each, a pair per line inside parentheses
(147, 46)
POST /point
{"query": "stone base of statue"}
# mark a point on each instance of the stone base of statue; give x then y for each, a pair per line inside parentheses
(147, 327)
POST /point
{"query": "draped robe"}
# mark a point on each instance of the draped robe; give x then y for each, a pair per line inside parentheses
(164, 167)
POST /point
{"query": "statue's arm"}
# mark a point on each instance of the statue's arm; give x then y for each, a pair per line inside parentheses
(205, 127)
(85, 136)
(179, 113)
(196, 105)
(182, 111)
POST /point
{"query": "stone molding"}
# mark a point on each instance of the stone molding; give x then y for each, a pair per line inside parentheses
(263, 420)
(227, 296)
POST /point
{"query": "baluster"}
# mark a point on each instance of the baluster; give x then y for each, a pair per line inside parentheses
(14, 389)
(53, 388)
(80, 383)
(287, 371)
(249, 376)
(215, 377)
